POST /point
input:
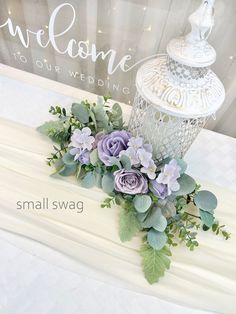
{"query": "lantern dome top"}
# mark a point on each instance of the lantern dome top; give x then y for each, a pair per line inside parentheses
(181, 83)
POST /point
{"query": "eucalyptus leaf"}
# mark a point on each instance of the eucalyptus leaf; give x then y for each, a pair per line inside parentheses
(126, 163)
(206, 200)
(142, 203)
(207, 218)
(68, 170)
(182, 164)
(156, 220)
(88, 181)
(155, 262)
(80, 111)
(94, 156)
(68, 159)
(156, 239)
(108, 183)
(187, 185)
(115, 161)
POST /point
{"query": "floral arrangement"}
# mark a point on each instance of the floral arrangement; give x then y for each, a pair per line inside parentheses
(159, 200)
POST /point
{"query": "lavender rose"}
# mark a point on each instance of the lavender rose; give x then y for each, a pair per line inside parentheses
(111, 145)
(159, 189)
(130, 182)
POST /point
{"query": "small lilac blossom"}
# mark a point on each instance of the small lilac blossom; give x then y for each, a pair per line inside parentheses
(84, 158)
(169, 175)
(111, 145)
(81, 141)
(150, 170)
(159, 189)
(135, 142)
(132, 154)
(148, 147)
(130, 182)
(144, 157)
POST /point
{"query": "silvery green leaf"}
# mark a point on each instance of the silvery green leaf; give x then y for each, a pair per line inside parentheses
(117, 111)
(142, 216)
(142, 203)
(68, 159)
(206, 201)
(182, 164)
(81, 112)
(128, 225)
(98, 179)
(94, 156)
(156, 239)
(187, 185)
(108, 183)
(156, 220)
(155, 262)
(92, 115)
(126, 163)
(68, 170)
(169, 210)
(207, 218)
(88, 181)
(115, 161)
(100, 114)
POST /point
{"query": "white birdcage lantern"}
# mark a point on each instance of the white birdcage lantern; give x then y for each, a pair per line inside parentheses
(178, 92)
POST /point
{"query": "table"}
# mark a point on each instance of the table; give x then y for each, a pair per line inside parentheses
(47, 287)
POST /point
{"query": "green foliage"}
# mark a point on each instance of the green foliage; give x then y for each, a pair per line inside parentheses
(88, 180)
(68, 170)
(156, 239)
(108, 183)
(155, 219)
(129, 224)
(207, 218)
(61, 112)
(187, 185)
(182, 164)
(107, 203)
(80, 111)
(219, 229)
(206, 201)
(142, 203)
(126, 163)
(155, 263)
(68, 159)
(57, 131)
(94, 157)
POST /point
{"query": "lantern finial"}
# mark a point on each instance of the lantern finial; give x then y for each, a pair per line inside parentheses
(193, 49)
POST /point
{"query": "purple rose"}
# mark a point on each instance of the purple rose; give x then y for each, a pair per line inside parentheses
(99, 136)
(159, 189)
(84, 158)
(112, 144)
(130, 182)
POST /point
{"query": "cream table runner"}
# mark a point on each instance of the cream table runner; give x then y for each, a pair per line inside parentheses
(204, 279)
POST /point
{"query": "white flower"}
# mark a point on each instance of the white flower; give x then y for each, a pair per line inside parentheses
(169, 175)
(81, 141)
(144, 157)
(150, 170)
(135, 142)
(132, 154)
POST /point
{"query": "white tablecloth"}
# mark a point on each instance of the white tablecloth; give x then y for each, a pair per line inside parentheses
(77, 294)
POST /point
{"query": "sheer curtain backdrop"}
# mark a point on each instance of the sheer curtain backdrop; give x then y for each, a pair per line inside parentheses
(140, 28)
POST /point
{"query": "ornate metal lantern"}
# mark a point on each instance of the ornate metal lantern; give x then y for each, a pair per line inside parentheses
(178, 92)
